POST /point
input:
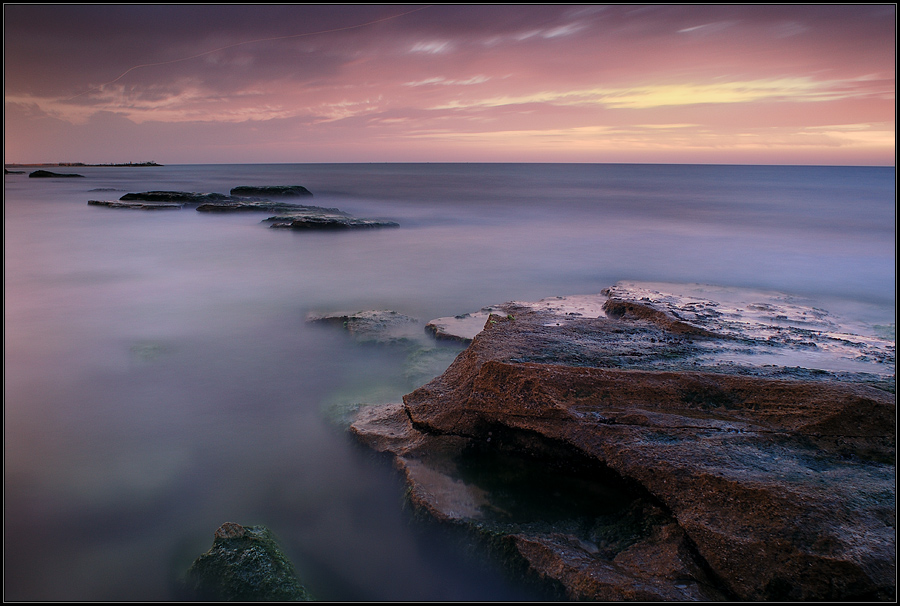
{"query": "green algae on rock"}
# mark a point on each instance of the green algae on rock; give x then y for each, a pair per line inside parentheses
(245, 564)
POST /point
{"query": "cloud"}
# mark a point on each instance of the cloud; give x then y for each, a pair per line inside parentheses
(686, 75)
(439, 80)
(796, 89)
(432, 47)
(708, 28)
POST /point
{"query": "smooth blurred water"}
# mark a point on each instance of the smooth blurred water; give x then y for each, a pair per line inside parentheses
(160, 378)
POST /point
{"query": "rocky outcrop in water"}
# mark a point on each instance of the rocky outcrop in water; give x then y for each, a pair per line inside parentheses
(46, 174)
(271, 191)
(181, 197)
(290, 216)
(243, 205)
(136, 205)
(702, 475)
(381, 327)
(329, 222)
(242, 199)
(245, 564)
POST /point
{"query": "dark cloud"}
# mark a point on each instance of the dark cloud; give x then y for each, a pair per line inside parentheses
(67, 49)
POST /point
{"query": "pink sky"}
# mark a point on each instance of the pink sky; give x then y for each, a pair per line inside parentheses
(450, 83)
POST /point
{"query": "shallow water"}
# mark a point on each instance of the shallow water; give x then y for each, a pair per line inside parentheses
(160, 378)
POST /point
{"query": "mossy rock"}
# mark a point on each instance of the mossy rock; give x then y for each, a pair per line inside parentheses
(245, 564)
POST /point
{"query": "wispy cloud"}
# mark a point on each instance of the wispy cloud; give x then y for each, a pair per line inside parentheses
(432, 47)
(797, 89)
(441, 81)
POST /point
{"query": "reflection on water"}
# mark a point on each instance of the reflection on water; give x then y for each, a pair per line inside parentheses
(160, 378)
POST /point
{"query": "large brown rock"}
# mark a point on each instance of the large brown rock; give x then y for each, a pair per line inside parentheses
(751, 483)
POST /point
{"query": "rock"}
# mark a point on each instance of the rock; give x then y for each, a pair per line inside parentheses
(464, 327)
(740, 480)
(44, 174)
(332, 222)
(267, 205)
(292, 216)
(182, 197)
(581, 531)
(382, 327)
(136, 205)
(461, 328)
(271, 191)
(245, 563)
(6, 171)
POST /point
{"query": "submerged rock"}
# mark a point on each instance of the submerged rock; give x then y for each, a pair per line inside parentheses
(245, 564)
(46, 174)
(383, 327)
(740, 481)
(271, 191)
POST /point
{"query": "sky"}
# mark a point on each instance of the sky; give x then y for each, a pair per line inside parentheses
(188, 84)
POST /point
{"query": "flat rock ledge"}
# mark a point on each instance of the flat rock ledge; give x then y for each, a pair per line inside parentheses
(617, 458)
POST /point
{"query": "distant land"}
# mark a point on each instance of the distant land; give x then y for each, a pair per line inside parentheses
(85, 164)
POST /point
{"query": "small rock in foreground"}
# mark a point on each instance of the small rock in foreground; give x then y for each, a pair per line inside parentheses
(245, 564)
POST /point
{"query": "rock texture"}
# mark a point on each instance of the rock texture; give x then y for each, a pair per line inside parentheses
(245, 564)
(181, 197)
(248, 199)
(381, 327)
(728, 481)
(330, 222)
(243, 204)
(46, 174)
(271, 191)
(136, 205)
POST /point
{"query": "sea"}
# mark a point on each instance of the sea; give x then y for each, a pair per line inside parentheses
(161, 377)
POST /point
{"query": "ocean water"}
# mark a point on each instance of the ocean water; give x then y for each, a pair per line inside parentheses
(160, 378)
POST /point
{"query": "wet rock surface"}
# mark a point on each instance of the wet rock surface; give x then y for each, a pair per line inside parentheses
(383, 327)
(182, 197)
(245, 564)
(135, 205)
(461, 328)
(46, 174)
(326, 222)
(702, 478)
(251, 199)
(271, 191)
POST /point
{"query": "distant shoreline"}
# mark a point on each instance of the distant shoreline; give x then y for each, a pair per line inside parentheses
(83, 164)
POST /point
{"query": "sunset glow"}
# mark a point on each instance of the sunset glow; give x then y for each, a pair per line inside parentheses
(478, 83)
